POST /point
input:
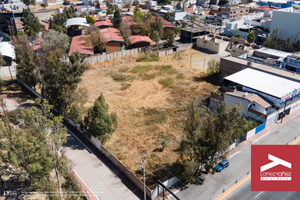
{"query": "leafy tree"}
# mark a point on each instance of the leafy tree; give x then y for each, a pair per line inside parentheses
(171, 37)
(60, 79)
(238, 36)
(98, 122)
(168, 16)
(117, 19)
(183, 26)
(138, 16)
(44, 5)
(30, 22)
(98, 5)
(213, 67)
(28, 2)
(193, 18)
(95, 39)
(2, 84)
(211, 132)
(163, 2)
(26, 60)
(110, 9)
(156, 29)
(90, 20)
(2, 62)
(137, 7)
(32, 148)
(55, 40)
(251, 37)
(178, 6)
(58, 22)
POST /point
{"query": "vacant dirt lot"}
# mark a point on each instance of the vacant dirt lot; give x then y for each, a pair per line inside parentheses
(150, 109)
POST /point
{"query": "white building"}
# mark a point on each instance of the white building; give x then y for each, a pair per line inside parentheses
(287, 22)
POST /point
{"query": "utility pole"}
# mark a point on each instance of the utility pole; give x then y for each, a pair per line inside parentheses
(143, 169)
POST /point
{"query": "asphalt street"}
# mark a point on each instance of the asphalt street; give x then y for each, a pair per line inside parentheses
(244, 192)
(239, 164)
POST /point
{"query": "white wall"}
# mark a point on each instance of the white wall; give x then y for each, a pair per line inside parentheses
(287, 22)
(178, 16)
(212, 46)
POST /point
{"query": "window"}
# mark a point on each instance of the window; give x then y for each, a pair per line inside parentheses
(246, 10)
(241, 11)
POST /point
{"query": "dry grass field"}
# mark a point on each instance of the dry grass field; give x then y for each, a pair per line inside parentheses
(150, 101)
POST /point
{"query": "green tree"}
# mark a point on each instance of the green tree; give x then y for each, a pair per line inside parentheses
(55, 40)
(156, 29)
(30, 22)
(213, 67)
(171, 37)
(251, 37)
(26, 60)
(28, 2)
(2, 84)
(98, 5)
(59, 79)
(178, 6)
(210, 132)
(168, 16)
(163, 2)
(98, 122)
(58, 22)
(95, 39)
(90, 20)
(110, 9)
(44, 5)
(238, 36)
(30, 147)
(117, 19)
(193, 18)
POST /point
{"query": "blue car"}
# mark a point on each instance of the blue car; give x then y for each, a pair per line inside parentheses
(223, 164)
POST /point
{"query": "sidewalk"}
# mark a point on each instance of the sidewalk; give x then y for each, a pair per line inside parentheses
(262, 133)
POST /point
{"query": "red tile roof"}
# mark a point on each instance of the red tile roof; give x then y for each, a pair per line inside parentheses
(103, 7)
(266, 8)
(38, 42)
(166, 23)
(77, 45)
(98, 22)
(111, 34)
(78, 7)
(128, 20)
(138, 38)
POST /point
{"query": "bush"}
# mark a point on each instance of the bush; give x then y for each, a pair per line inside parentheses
(123, 69)
(125, 86)
(130, 78)
(163, 67)
(167, 82)
(141, 68)
(164, 144)
(180, 76)
(218, 92)
(172, 72)
(147, 76)
(145, 58)
(213, 67)
(117, 76)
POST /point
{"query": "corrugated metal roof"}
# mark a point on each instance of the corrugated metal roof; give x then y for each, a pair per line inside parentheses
(128, 20)
(106, 22)
(166, 24)
(138, 38)
(38, 42)
(111, 34)
(77, 21)
(7, 49)
(264, 82)
(77, 45)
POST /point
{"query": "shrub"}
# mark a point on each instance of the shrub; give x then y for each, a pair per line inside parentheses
(123, 69)
(164, 144)
(172, 71)
(147, 76)
(130, 78)
(125, 86)
(145, 58)
(167, 82)
(141, 68)
(156, 119)
(217, 92)
(163, 67)
(117, 76)
(213, 67)
(180, 76)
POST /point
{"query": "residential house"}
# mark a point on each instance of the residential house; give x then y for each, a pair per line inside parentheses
(113, 39)
(137, 41)
(77, 45)
(102, 22)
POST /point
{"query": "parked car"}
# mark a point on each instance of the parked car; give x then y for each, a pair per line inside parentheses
(223, 164)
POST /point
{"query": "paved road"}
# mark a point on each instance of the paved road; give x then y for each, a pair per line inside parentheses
(239, 163)
(244, 192)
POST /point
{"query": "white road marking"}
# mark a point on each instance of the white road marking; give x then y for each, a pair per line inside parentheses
(258, 194)
(234, 154)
